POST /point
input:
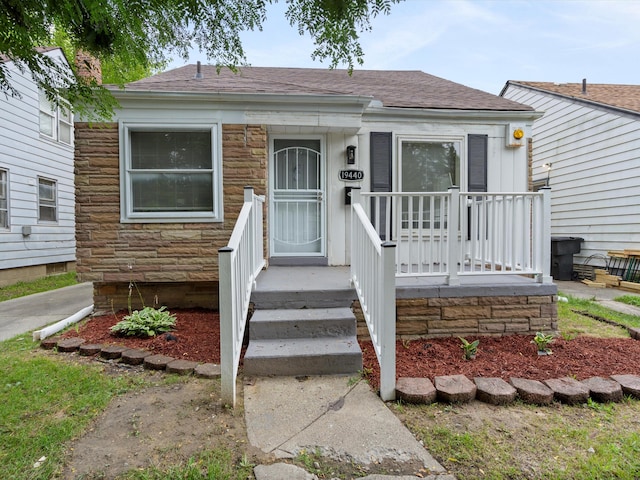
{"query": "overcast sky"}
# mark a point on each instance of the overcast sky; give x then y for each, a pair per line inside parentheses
(480, 43)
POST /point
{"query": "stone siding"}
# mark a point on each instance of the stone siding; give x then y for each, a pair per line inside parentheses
(470, 316)
(173, 263)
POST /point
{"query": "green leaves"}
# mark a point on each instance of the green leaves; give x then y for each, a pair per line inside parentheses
(470, 348)
(542, 342)
(147, 322)
(146, 33)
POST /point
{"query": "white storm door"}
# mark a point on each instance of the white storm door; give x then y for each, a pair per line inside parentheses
(297, 199)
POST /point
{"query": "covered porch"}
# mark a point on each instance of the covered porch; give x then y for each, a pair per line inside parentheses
(431, 278)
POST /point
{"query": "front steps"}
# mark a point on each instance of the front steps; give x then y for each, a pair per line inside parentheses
(303, 341)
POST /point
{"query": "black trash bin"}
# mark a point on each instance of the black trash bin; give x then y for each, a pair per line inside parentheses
(562, 250)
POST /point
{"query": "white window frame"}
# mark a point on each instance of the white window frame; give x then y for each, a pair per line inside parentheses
(459, 139)
(58, 121)
(47, 202)
(4, 196)
(127, 215)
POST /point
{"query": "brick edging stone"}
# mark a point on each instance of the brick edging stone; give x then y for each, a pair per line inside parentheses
(132, 356)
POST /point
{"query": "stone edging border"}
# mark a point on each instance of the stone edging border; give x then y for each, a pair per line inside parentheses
(447, 389)
(132, 356)
(496, 391)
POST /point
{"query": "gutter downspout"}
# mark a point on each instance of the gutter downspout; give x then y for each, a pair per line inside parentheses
(56, 327)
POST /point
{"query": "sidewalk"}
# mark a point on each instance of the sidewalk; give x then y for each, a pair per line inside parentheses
(32, 312)
(603, 296)
(344, 421)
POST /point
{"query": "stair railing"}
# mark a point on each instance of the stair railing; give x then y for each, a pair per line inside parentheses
(239, 264)
(373, 277)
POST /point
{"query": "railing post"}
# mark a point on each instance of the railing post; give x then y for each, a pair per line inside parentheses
(452, 236)
(227, 342)
(388, 347)
(546, 236)
(248, 194)
(355, 200)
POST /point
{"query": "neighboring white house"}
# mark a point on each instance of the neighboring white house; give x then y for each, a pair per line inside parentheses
(586, 146)
(37, 193)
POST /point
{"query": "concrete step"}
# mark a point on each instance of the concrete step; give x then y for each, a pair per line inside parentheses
(302, 323)
(303, 356)
(296, 298)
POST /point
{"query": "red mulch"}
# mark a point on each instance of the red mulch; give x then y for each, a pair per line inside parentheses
(197, 335)
(197, 338)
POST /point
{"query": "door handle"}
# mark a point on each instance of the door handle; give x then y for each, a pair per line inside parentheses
(319, 196)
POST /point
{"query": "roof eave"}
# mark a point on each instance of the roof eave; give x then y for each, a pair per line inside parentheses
(441, 113)
(231, 97)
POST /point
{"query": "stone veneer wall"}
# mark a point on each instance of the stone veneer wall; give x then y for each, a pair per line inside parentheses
(472, 315)
(173, 264)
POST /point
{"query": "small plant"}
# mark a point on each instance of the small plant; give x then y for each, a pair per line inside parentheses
(542, 342)
(469, 348)
(147, 322)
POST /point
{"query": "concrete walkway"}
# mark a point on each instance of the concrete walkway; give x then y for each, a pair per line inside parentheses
(603, 296)
(337, 417)
(32, 312)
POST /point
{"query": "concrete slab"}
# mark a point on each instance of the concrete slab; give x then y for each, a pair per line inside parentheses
(342, 421)
(32, 312)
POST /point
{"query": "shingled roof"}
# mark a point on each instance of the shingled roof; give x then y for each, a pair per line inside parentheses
(403, 89)
(626, 97)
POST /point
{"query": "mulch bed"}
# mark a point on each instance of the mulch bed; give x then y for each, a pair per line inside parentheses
(197, 338)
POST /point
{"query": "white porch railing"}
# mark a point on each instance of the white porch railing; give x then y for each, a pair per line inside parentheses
(373, 277)
(239, 264)
(451, 234)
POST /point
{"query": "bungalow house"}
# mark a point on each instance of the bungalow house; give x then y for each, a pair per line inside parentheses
(37, 201)
(341, 168)
(160, 188)
(585, 147)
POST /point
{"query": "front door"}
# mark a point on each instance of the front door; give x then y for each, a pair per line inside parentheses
(297, 199)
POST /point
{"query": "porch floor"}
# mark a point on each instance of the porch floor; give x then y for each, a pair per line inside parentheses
(326, 279)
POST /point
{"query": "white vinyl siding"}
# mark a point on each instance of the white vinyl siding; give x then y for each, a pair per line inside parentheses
(26, 155)
(170, 172)
(595, 171)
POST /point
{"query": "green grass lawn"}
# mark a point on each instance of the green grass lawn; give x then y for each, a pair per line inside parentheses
(44, 402)
(45, 284)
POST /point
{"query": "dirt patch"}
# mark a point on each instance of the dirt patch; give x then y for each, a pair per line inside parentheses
(159, 426)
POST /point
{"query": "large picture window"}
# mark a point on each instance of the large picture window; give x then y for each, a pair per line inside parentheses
(170, 174)
(427, 166)
(4, 199)
(47, 200)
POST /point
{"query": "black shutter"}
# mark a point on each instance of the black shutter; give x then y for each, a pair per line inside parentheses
(477, 159)
(380, 146)
(381, 168)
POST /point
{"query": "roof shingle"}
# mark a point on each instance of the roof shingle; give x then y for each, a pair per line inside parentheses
(394, 88)
(613, 95)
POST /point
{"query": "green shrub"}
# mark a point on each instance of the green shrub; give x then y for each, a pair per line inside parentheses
(147, 322)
